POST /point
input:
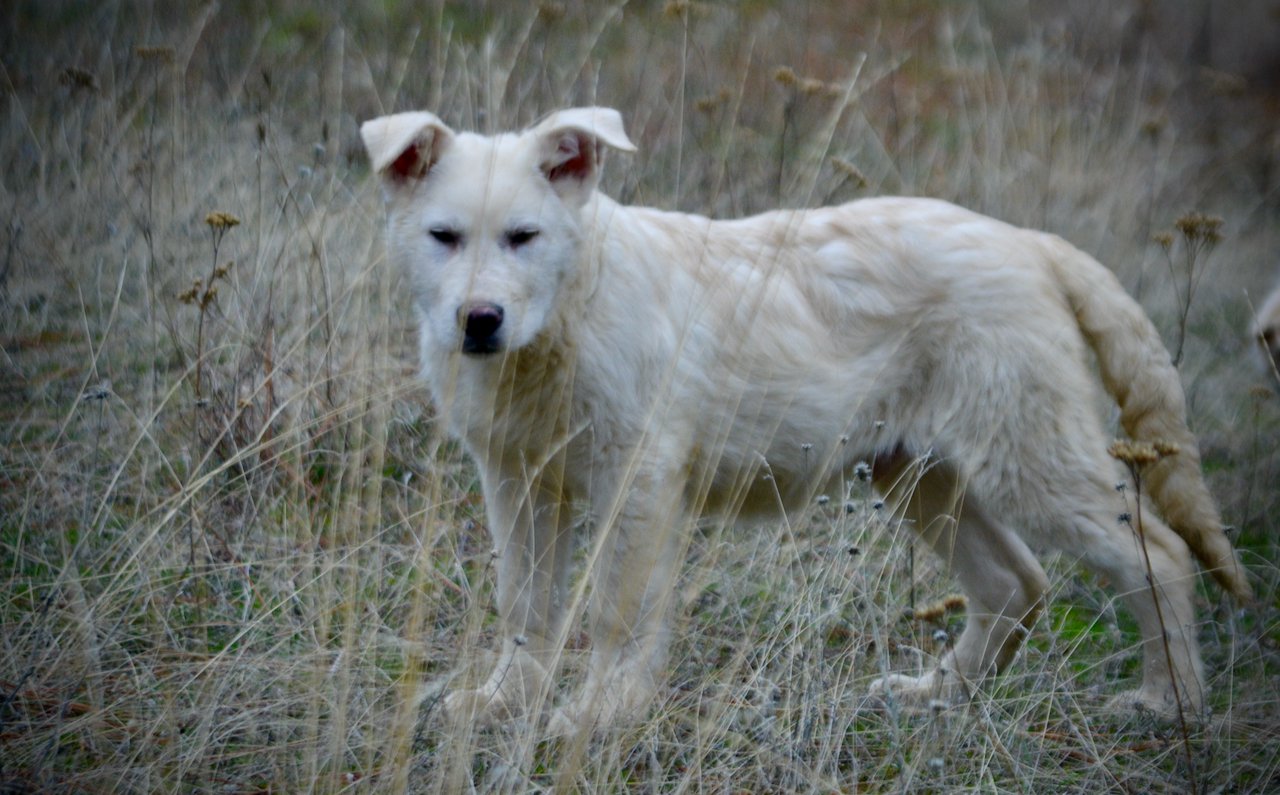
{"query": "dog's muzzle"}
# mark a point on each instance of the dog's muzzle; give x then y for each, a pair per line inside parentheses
(481, 326)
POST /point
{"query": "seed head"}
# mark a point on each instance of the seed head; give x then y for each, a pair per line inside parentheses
(75, 78)
(709, 103)
(785, 75)
(151, 52)
(954, 602)
(220, 221)
(850, 171)
(1196, 226)
(193, 294)
(551, 11)
(1134, 453)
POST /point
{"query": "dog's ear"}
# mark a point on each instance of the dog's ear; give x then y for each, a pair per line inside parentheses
(571, 142)
(403, 147)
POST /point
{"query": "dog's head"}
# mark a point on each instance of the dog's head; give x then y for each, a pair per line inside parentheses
(488, 227)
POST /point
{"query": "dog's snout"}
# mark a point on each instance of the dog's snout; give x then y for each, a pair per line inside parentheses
(483, 320)
(480, 325)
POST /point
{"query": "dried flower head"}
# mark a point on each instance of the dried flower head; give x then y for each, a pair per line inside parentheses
(551, 11)
(192, 295)
(220, 221)
(1196, 226)
(152, 52)
(1163, 239)
(785, 75)
(849, 171)
(710, 103)
(1134, 453)
(676, 8)
(76, 78)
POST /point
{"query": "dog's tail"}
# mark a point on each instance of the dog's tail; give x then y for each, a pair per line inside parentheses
(1138, 372)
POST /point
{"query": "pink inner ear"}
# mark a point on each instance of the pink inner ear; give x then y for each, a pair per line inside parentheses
(409, 164)
(577, 163)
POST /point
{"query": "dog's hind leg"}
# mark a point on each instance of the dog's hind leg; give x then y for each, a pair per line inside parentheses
(531, 527)
(1001, 579)
(1154, 576)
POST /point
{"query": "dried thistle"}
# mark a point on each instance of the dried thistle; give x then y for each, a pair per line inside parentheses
(192, 295)
(220, 221)
(710, 103)
(1136, 453)
(1197, 227)
(153, 52)
(1133, 453)
(76, 79)
(1200, 233)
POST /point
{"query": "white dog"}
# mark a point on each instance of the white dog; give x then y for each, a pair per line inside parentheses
(1266, 331)
(658, 366)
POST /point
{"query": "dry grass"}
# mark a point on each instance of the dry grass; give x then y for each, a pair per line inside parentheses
(238, 556)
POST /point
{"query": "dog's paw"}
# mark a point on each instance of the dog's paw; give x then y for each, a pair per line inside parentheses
(481, 707)
(566, 722)
(621, 701)
(938, 689)
(1158, 703)
(587, 714)
(514, 690)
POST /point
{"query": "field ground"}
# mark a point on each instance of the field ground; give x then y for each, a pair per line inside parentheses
(237, 556)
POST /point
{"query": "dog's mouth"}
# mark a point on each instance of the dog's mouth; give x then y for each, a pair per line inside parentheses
(481, 347)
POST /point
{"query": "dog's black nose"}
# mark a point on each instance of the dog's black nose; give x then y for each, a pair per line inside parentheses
(480, 326)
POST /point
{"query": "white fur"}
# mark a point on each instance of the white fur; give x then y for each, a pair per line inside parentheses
(1266, 332)
(659, 366)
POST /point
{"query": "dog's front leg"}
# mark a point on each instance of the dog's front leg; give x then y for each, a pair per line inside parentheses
(530, 524)
(635, 559)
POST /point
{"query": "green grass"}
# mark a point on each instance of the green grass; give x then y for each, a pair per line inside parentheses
(266, 583)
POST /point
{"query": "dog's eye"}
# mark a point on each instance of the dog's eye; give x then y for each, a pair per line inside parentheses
(518, 237)
(446, 237)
